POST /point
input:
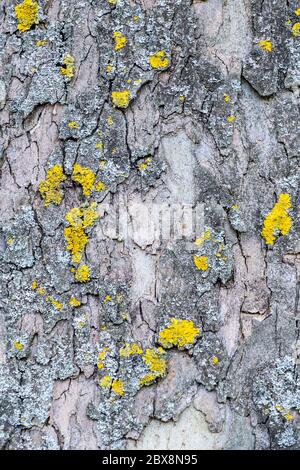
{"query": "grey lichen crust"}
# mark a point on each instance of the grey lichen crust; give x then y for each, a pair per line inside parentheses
(165, 102)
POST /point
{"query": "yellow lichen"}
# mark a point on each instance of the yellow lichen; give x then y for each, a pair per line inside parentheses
(99, 145)
(79, 219)
(83, 273)
(148, 379)
(178, 333)
(101, 357)
(231, 118)
(109, 121)
(205, 236)
(135, 18)
(181, 98)
(27, 15)
(265, 45)
(68, 69)
(73, 125)
(214, 360)
(201, 262)
(130, 350)
(296, 29)
(34, 284)
(159, 60)
(277, 221)
(107, 298)
(74, 302)
(56, 304)
(154, 359)
(109, 68)
(85, 177)
(288, 416)
(117, 387)
(120, 98)
(105, 382)
(100, 186)
(10, 241)
(41, 43)
(297, 12)
(120, 40)
(144, 165)
(50, 187)
(226, 98)
(112, 2)
(41, 291)
(18, 345)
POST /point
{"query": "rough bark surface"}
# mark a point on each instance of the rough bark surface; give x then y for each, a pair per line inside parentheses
(208, 116)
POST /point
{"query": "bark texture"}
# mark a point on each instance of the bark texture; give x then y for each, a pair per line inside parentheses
(109, 105)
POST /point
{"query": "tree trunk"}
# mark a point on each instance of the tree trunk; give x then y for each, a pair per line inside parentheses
(149, 241)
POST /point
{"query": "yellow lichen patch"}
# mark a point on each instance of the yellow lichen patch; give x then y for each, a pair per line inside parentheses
(73, 125)
(41, 291)
(85, 177)
(100, 186)
(112, 2)
(76, 241)
(130, 350)
(181, 98)
(41, 43)
(135, 18)
(68, 69)
(148, 379)
(231, 118)
(56, 304)
(154, 359)
(34, 284)
(117, 387)
(27, 15)
(266, 45)
(296, 29)
(288, 416)
(79, 219)
(120, 98)
(107, 298)
(297, 12)
(120, 40)
(10, 241)
(83, 273)
(105, 382)
(74, 302)
(101, 357)
(144, 165)
(235, 207)
(159, 60)
(226, 98)
(201, 262)
(277, 221)
(50, 187)
(109, 68)
(109, 121)
(18, 345)
(205, 236)
(214, 360)
(178, 333)
(99, 145)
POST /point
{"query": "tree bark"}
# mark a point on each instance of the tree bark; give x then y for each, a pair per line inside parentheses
(149, 239)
